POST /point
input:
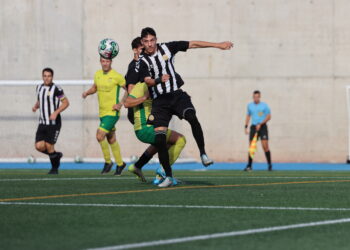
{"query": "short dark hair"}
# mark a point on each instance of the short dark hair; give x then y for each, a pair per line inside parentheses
(257, 92)
(147, 31)
(48, 70)
(136, 43)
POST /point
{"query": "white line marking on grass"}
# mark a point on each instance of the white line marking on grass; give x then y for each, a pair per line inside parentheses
(222, 235)
(172, 206)
(180, 177)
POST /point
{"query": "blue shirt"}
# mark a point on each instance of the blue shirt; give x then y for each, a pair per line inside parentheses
(258, 112)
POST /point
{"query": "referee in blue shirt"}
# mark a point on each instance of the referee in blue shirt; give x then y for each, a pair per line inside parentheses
(260, 114)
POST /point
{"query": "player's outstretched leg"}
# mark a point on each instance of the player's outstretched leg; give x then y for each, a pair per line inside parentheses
(190, 116)
(143, 160)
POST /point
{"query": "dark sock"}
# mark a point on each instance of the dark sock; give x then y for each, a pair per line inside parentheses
(197, 131)
(54, 159)
(45, 152)
(160, 143)
(250, 161)
(268, 157)
(144, 159)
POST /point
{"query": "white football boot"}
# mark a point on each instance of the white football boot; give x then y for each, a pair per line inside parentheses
(168, 182)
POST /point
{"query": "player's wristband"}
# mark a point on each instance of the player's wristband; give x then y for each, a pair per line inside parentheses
(158, 80)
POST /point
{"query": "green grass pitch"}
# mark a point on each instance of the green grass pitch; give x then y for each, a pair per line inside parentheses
(83, 209)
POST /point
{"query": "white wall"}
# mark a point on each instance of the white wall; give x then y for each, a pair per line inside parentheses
(295, 52)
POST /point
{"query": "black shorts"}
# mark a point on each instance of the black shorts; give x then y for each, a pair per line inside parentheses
(165, 106)
(47, 133)
(263, 133)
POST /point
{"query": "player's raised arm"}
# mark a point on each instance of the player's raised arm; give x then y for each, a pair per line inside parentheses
(90, 91)
(202, 44)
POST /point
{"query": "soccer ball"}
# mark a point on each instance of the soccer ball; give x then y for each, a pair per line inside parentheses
(108, 48)
(78, 159)
(31, 159)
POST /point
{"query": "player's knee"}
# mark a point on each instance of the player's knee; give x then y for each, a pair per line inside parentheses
(40, 147)
(100, 136)
(190, 115)
(111, 138)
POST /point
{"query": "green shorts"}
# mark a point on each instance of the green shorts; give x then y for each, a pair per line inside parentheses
(147, 135)
(108, 123)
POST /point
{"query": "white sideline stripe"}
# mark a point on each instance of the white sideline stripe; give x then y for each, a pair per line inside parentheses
(172, 206)
(180, 177)
(222, 235)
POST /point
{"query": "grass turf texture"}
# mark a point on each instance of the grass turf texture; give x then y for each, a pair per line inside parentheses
(74, 227)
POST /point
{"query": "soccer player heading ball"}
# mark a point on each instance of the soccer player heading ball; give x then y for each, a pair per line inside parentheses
(107, 84)
(158, 72)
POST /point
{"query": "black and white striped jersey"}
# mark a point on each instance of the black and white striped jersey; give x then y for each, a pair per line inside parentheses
(161, 63)
(49, 98)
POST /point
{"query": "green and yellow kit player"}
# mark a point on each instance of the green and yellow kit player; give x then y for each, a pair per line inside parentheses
(107, 84)
(139, 99)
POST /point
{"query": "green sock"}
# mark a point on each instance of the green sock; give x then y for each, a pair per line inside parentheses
(105, 151)
(116, 153)
(175, 150)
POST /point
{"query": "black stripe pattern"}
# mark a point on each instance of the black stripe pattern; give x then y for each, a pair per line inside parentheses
(49, 100)
(161, 63)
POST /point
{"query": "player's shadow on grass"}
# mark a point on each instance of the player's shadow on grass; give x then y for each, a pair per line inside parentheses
(196, 183)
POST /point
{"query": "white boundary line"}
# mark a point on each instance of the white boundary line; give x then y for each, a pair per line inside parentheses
(222, 235)
(172, 206)
(179, 177)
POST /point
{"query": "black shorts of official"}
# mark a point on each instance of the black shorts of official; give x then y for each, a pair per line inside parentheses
(47, 133)
(165, 106)
(263, 133)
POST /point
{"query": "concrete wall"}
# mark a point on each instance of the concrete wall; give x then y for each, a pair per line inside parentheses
(295, 52)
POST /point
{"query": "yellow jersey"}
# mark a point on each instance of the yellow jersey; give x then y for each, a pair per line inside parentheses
(108, 88)
(142, 111)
